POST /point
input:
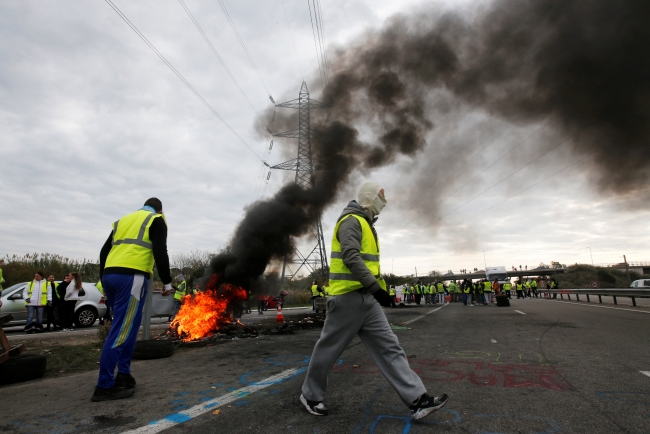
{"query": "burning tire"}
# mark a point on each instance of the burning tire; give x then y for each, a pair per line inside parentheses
(153, 349)
(23, 367)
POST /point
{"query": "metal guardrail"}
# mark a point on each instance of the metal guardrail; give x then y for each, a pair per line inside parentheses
(600, 292)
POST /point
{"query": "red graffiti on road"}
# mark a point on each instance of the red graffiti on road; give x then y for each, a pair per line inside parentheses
(483, 374)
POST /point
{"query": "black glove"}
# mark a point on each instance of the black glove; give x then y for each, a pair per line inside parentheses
(383, 298)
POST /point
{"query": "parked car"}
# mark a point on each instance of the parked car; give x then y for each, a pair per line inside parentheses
(88, 309)
(641, 283)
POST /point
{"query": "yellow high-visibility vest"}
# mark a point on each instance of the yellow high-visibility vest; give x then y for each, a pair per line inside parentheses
(391, 292)
(132, 246)
(507, 286)
(441, 288)
(44, 286)
(341, 279)
(314, 290)
(487, 286)
(181, 291)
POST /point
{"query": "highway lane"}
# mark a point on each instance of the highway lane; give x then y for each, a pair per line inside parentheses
(554, 367)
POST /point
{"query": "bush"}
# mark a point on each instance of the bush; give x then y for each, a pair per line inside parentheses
(16, 269)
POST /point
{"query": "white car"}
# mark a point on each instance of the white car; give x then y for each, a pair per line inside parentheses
(88, 309)
(641, 283)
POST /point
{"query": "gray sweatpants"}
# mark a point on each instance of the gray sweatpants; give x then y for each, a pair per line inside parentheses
(357, 313)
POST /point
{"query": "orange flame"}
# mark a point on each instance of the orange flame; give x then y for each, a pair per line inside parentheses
(204, 313)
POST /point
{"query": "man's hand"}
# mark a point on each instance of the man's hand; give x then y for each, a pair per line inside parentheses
(166, 293)
(167, 289)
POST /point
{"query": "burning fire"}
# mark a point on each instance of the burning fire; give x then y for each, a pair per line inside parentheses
(204, 313)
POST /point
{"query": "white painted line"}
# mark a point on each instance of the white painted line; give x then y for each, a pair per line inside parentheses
(213, 404)
(595, 305)
(645, 373)
(518, 311)
(422, 316)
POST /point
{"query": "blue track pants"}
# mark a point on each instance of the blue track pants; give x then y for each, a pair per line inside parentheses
(126, 294)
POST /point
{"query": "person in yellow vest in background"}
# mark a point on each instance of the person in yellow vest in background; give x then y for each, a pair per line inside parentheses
(533, 287)
(440, 287)
(126, 261)
(37, 294)
(507, 287)
(418, 293)
(181, 291)
(426, 293)
(392, 294)
(528, 286)
(316, 293)
(487, 292)
(357, 293)
(407, 293)
(519, 287)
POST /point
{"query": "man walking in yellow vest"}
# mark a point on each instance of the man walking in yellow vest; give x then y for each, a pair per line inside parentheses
(356, 294)
(137, 241)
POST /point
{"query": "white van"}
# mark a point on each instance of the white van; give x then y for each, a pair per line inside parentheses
(641, 283)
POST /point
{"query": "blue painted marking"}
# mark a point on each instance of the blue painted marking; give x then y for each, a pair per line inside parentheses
(554, 427)
(340, 362)
(635, 397)
(182, 393)
(178, 401)
(180, 407)
(212, 404)
(241, 403)
(406, 420)
(231, 389)
(178, 418)
(274, 391)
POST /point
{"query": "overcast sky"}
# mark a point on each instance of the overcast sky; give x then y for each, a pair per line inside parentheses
(92, 123)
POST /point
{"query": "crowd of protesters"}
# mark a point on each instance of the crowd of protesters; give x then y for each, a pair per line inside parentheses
(468, 292)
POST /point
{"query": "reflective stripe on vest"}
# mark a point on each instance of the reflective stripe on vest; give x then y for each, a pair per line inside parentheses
(181, 291)
(44, 285)
(132, 246)
(341, 279)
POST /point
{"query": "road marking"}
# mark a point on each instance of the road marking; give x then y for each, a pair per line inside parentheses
(645, 373)
(603, 307)
(183, 416)
(518, 311)
(422, 316)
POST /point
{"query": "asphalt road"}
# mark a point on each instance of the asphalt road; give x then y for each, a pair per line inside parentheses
(540, 366)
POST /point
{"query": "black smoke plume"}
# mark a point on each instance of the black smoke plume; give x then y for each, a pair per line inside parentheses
(581, 66)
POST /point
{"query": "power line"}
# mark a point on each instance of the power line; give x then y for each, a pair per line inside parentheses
(241, 41)
(292, 40)
(319, 17)
(317, 43)
(178, 74)
(214, 50)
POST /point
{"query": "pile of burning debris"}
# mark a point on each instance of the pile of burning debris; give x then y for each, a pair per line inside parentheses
(235, 329)
(210, 317)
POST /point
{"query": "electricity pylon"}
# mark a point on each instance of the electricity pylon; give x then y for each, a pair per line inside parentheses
(303, 165)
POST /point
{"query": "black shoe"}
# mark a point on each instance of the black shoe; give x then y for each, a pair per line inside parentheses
(101, 322)
(125, 381)
(314, 407)
(426, 405)
(111, 393)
